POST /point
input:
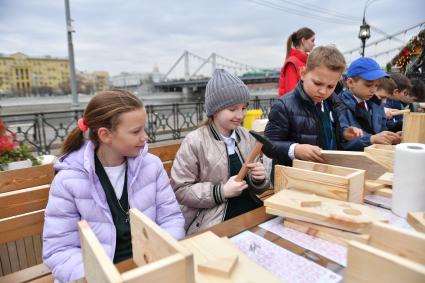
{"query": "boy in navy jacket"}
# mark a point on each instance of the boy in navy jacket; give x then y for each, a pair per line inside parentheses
(363, 109)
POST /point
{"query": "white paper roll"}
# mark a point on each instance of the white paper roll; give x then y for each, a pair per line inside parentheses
(409, 179)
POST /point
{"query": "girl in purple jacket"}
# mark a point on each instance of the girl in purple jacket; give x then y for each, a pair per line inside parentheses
(99, 180)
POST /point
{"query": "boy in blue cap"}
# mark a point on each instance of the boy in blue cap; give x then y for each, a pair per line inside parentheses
(363, 109)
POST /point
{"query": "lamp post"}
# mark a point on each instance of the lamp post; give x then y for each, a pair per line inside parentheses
(364, 32)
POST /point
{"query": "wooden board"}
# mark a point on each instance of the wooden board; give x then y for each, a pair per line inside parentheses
(97, 265)
(322, 179)
(24, 178)
(385, 192)
(332, 213)
(384, 153)
(21, 226)
(23, 200)
(386, 179)
(208, 247)
(165, 152)
(400, 253)
(353, 159)
(372, 186)
(414, 127)
(334, 235)
(417, 220)
(151, 243)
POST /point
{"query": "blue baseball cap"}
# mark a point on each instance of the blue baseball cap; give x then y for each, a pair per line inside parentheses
(366, 68)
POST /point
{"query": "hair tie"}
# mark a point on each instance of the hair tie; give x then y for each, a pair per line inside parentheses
(82, 125)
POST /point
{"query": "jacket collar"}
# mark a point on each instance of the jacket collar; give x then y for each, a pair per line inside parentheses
(214, 131)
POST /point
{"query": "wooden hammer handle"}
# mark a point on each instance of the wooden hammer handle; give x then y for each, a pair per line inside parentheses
(251, 157)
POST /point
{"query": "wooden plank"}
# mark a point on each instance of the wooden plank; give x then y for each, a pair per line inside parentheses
(332, 213)
(13, 256)
(417, 220)
(97, 265)
(386, 179)
(324, 168)
(27, 275)
(347, 185)
(384, 153)
(385, 192)
(168, 269)
(207, 247)
(21, 226)
(354, 159)
(220, 266)
(167, 166)
(372, 186)
(326, 233)
(4, 259)
(22, 255)
(414, 127)
(398, 241)
(166, 151)
(37, 248)
(24, 178)
(368, 264)
(29, 248)
(151, 243)
(23, 201)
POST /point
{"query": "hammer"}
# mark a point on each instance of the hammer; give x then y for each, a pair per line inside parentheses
(261, 144)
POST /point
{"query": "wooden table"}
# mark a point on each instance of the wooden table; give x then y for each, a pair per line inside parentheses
(247, 222)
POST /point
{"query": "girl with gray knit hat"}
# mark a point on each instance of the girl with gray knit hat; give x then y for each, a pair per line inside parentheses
(209, 158)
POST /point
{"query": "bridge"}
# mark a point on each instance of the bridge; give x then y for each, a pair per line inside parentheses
(196, 82)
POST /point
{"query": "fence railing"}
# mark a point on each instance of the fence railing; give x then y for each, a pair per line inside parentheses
(44, 132)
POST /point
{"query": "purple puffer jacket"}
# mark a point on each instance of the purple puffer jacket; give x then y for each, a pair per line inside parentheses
(77, 194)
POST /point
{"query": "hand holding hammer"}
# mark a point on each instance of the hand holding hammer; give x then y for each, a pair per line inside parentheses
(261, 144)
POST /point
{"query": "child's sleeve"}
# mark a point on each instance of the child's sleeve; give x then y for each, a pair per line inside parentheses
(185, 181)
(277, 130)
(346, 119)
(61, 241)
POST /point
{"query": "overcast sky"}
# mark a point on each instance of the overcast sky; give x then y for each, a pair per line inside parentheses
(135, 35)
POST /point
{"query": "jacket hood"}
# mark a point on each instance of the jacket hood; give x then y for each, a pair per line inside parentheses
(299, 54)
(83, 159)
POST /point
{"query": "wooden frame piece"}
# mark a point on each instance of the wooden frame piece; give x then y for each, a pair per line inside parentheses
(334, 235)
(159, 257)
(374, 167)
(383, 153)
(417, 220)
(335, 182)
(414, 127)
(208, 248)
(391, 255)
(332, 213)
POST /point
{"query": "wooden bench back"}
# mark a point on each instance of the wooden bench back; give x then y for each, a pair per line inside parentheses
(23, 198)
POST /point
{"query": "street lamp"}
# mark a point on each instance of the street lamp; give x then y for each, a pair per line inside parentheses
(364, 32)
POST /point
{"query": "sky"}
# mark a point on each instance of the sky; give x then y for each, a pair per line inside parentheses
(135, 35)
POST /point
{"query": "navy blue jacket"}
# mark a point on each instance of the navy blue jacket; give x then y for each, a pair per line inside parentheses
(394, 124)
(351, 117)
(293, 119)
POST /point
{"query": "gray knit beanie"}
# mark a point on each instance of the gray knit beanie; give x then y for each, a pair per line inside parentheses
(224, 90)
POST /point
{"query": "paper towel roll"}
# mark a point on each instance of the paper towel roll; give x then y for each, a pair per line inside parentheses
(409, 178)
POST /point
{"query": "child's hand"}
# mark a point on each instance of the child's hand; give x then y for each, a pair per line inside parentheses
(258, 172)
(385, 137)
(233, 188)
(308, 152)
(352, 133)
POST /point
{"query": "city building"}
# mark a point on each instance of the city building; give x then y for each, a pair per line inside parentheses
(22, 75)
